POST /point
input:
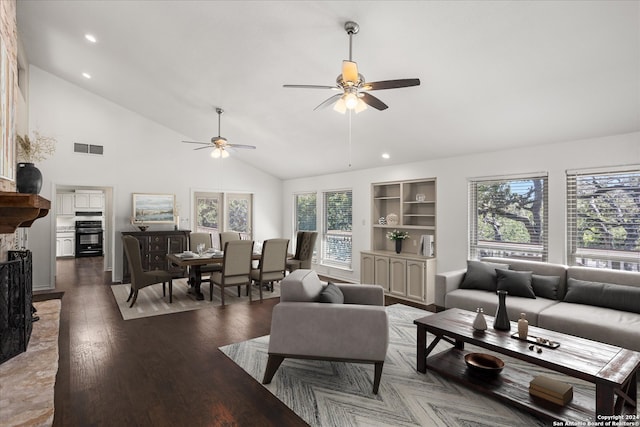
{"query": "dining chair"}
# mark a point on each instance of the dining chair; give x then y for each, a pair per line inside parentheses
(203, 238)
(228, 236)
(272, 265)
(305, 243)
(139, 278)
(236, 268)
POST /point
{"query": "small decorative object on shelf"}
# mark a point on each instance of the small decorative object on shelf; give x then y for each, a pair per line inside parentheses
(480, 323)
(523, 327)
(392, 219)
(382, 220)
(398, 237)
(420, 197)
(502, 319)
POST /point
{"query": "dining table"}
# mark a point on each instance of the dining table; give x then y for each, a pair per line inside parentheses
(195, 262)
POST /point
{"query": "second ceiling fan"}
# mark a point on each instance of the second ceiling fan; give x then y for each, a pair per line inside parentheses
(219, 143)
(353, 86)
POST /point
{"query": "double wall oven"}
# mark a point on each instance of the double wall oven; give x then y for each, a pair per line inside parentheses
(89, 235)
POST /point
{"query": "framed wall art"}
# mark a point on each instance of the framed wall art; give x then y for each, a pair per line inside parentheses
(154, 208)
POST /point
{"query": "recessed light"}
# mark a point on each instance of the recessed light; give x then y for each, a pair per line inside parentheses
(86, 75)
(386, 156)
(91, 38)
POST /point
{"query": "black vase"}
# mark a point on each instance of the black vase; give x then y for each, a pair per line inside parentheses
(502, 319)
(28, 179)
(398, 246)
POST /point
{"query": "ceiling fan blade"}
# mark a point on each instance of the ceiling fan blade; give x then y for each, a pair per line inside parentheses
(197, 142)
(202, 148)
(249, 147)
(311, 87)
(373, 101)
(391, 84)
(329, 101)
(350, 71)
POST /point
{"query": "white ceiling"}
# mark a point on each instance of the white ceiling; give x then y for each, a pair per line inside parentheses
(495, 74)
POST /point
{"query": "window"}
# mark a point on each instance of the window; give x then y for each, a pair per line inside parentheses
(603, 218)
(508, 217)
(336, 236)
(214, 209)
(306, 213)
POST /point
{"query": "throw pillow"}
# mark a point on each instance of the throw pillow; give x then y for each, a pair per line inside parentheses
(608, 295)
(545, 286)
(331, 294)
(516, 283)
(481, 275)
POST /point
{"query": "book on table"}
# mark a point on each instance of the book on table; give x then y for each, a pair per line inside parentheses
(551, 390)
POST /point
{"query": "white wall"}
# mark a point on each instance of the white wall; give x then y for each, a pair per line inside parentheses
(140, 156)
(452, 203)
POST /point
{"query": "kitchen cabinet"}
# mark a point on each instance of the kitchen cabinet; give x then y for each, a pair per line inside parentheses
(65, 244)
(65, 204)
(89, 201)
(154, 246)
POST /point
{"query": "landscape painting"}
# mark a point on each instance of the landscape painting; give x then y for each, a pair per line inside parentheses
(153, 208)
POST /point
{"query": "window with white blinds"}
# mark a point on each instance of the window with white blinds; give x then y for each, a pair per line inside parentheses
(603, 218)
(306, 216)
(337, 227)
(508, 217)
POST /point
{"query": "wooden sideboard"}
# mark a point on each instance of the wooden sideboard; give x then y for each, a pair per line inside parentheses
(154, 246)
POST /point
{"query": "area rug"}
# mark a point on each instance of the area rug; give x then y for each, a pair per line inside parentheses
(27, 381)
(151, 303)
(339, 394)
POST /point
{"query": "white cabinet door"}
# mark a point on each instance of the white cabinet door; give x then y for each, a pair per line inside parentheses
(82, 201)
(397, 276)
(416, 271)
(96, 200)
(68, 246)
(381, 271)
(367, 269)
(58, 247)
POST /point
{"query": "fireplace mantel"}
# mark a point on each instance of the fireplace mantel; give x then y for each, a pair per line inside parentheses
(20, 210)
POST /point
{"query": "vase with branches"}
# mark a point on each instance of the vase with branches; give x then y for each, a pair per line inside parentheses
(29, 177)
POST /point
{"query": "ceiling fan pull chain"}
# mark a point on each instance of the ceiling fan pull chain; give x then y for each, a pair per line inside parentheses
(349, 138)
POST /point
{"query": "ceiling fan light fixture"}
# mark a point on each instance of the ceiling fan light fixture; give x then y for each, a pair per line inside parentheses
(361, 106)
(215, 153)
(350, 72)
(340, 106)
(224, 153)
(350, 100)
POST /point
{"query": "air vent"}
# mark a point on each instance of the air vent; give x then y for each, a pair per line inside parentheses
(88, 148)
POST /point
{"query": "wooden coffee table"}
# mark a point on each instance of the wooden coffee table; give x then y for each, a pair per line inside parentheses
(612, 369)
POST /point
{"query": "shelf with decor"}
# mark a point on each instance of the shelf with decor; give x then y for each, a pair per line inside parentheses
(405, 206)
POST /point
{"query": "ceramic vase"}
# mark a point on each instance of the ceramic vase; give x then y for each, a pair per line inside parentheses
(523, 327)
(502, 319)
(480, 323)
(28, 179)
(398, 246)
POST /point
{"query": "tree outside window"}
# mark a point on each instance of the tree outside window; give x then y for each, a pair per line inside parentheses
(603, 219)
(508, 218)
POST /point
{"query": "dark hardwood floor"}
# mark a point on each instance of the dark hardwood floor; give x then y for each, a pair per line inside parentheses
(156, 371)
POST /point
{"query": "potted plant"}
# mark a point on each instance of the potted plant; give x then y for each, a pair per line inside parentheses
(398, 237)
(29, 177)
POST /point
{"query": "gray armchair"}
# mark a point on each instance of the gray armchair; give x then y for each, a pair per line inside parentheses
(301, 328)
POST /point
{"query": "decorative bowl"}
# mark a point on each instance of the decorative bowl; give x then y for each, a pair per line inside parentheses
(143, 227)
(392, 219)
(484, 363)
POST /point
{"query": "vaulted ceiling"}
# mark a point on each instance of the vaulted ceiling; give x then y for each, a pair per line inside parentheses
(495, 74)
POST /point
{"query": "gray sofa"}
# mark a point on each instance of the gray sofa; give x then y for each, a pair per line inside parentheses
(602, 305)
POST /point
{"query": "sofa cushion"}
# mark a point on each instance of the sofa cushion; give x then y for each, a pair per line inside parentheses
(516, 283)
(331, 294)
(618, 297)
(537, 267)
(545, 286)
(481, 275)
(615, 327)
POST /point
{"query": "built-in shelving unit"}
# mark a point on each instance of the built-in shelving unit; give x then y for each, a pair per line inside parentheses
(404, 206)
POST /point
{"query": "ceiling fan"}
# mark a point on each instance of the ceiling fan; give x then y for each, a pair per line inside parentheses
(354, 88)
(219, 143)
